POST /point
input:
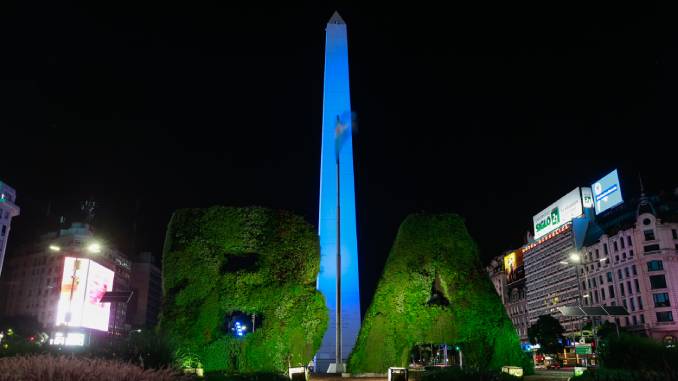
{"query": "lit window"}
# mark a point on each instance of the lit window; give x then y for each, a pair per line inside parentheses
(656, 265)
(661, 300)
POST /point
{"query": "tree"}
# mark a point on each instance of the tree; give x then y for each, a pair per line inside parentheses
(548, 333)
(607, 330)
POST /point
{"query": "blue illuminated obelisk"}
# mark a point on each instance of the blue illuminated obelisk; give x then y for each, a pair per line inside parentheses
(337, 193)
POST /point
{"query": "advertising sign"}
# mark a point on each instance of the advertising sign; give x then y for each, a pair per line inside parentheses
(557, 214)
(587, 197)
(607, 192)
(99, 281)
(83, 283)
(513, 265)
(72, 293)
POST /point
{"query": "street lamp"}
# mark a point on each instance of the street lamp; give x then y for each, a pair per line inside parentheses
(575, 258)
(54, 248)
(94, 247)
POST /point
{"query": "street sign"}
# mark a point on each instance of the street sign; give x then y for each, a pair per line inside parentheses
(583, 349)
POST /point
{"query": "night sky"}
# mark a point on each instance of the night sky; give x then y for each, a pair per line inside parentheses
(489, 111)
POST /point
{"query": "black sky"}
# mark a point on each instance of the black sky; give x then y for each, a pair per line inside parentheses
(490, 111)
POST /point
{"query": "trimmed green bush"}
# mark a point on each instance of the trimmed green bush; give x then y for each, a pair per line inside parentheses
(221, 260)
(434, 254)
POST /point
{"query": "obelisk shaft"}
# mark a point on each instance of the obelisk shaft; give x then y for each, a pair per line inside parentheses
(337, 214)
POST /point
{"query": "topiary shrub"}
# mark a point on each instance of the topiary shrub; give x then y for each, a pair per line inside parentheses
(222, 261)
(433, 290)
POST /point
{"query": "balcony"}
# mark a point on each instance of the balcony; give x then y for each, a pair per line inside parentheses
(651, 249)
(638, 327)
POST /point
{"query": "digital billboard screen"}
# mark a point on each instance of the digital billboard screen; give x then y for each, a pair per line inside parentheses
(513, 265)
(558, 214)
(83, 284)
(607, 192)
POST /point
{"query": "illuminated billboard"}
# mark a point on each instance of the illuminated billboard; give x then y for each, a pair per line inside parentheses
(83, 284)
(607, 192)
(587, 197)
(513, 265)
(559, 213)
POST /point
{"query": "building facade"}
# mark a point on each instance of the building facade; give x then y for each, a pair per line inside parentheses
(69, 262)
(634, 263)
(626, 255)
(8, 210)
(507, 273)
(146, 283)
(549, 282)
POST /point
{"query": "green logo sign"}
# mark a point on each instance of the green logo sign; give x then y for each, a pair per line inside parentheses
(550, 220)
(583, 349)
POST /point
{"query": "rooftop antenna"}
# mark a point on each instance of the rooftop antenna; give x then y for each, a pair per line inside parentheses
(88, 208)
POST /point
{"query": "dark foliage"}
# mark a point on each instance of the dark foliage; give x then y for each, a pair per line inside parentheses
(548, 333)
(608, 330)
(256, 376)
(456, 374)
(638, 353)
(604, 374)
(24, 326)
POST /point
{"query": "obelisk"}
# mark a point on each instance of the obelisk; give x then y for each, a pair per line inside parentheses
(338, 238)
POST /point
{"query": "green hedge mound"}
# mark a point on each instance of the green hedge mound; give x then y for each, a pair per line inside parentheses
(222, 260)
(434, 290)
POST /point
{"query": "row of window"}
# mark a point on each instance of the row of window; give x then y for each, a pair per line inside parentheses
(662, 317)
(593, 281)
(656, 282)
(614, 245)
(648, 235)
